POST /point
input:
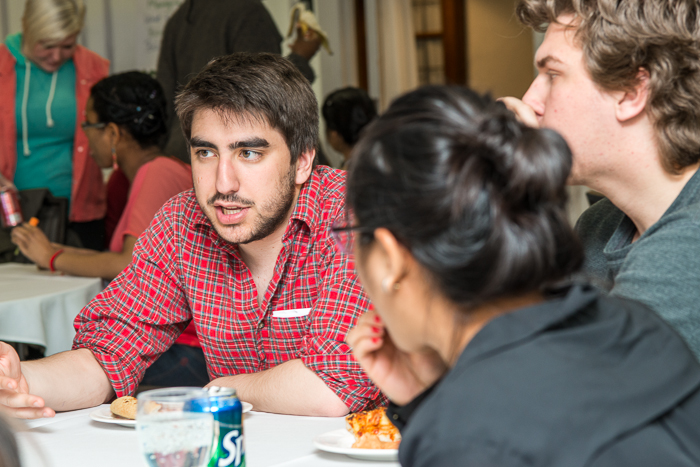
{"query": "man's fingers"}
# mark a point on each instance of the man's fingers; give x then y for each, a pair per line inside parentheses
(15, 399)
(28, 413)
(522, 111)
(8, 383)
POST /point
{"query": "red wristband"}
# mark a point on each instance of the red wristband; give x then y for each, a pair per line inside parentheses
(53, 258)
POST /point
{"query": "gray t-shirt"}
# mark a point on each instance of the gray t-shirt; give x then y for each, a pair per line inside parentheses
(661, 269)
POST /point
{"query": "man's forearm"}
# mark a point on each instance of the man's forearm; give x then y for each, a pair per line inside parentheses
(289, 388)
(68, 381)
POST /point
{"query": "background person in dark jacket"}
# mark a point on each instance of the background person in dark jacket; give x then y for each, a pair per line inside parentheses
(461, 241)
(200, 30)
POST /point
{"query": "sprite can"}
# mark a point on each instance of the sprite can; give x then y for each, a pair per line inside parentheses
(228, 449)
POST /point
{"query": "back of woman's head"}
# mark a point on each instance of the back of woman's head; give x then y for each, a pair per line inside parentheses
(51, 20)
(477, 197)
(348, 111)
(134, 101)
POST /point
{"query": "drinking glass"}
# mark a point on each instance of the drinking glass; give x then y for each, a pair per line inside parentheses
(171, 434)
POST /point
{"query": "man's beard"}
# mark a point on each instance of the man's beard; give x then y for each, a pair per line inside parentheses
(279, 207)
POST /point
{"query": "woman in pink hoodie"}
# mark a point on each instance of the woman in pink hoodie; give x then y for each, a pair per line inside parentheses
(46, 79)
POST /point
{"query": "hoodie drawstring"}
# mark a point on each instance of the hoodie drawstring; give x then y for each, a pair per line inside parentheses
(25, 98)
(52, 92)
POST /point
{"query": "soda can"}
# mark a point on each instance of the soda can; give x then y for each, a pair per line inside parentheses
(11, 212)
(224, 405)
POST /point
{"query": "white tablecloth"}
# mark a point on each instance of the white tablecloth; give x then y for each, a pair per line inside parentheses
(72, 439)
(38, 307)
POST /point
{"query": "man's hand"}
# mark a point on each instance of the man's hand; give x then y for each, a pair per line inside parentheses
(400, 375)
(15, 400)
(522, 111)
(34, 244)
(306, 45)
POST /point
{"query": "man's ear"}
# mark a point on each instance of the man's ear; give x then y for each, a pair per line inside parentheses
(632, 103)
(305, 164)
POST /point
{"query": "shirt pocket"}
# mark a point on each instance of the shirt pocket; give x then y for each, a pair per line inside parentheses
(287, 333)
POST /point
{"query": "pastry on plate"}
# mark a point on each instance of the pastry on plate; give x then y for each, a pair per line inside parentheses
(373, 430)
(124, 407)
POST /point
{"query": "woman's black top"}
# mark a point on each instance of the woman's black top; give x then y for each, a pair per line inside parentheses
(578, 380)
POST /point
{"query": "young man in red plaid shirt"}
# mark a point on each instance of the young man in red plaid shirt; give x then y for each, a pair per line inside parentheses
(247, 256)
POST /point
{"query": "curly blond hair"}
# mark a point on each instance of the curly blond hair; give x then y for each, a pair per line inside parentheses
(621, 37)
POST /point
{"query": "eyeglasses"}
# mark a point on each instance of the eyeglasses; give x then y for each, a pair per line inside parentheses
(98, 125)
(343, 233)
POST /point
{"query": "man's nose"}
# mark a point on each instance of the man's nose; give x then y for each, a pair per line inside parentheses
(227, 177)
(534, 96)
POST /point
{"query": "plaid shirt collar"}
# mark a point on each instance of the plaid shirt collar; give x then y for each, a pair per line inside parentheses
(306, 212)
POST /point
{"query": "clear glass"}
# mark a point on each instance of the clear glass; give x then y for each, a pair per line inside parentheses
(170, 433)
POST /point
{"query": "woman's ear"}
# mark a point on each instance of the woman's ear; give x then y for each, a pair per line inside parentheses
(394, 257)
(632, 103)
(113, 133)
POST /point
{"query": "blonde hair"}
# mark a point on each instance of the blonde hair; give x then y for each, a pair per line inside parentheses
(51, 20)
(620, 37)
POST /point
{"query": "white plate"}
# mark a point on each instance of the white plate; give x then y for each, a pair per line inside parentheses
(340, 442)
(104, 415)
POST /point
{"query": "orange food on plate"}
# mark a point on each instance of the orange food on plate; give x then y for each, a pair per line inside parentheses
(373, 430)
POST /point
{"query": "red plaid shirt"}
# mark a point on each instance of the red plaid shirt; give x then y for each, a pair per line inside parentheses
(183, 270)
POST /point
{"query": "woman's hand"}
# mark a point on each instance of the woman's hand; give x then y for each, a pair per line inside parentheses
(400, 375)
(5, 184)
(34, 244)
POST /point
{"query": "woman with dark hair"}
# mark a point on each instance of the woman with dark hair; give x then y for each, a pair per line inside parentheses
(346, 112)
(488, 355)
(125, 126)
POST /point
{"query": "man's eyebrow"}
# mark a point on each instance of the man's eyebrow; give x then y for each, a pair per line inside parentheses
(543, 62)
(250, 143)
(200, 143)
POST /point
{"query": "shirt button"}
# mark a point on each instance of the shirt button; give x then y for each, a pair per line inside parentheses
(395, 416)
(261, 324)
(83, 82)
(80, 149)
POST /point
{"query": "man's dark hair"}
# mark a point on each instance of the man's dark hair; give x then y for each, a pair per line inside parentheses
(476, 196)
(265, 87)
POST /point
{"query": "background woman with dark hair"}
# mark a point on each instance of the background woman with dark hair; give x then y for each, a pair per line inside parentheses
(346, 112)
(125, 125)
(461, 241)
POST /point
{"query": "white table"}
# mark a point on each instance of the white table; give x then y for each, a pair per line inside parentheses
(38, 307)
(72, 439)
